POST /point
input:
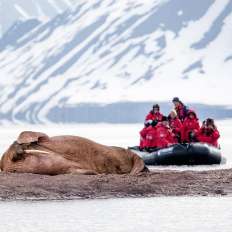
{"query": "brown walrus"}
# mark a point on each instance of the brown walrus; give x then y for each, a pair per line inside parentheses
(35, 152)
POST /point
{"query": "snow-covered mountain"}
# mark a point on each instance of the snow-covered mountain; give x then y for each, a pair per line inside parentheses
(105, 51)
(13, 10)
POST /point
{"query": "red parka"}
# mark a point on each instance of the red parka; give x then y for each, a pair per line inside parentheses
(189, 125)
(154, 116)
(143, 134)
(209, 136)
(150, 139)
(176, 125)
(161, 136)
(181, 111)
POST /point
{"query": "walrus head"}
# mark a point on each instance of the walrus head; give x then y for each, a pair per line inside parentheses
(28, 137)
(17, 151)
(14, 153)
(8, 156)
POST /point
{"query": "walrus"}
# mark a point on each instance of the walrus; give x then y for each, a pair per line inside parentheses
(36, 152)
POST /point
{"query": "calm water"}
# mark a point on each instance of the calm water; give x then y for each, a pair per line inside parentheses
(205, 214)
(123, 135)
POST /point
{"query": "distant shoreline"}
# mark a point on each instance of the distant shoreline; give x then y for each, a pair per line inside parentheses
(114, 113)
(32, 187)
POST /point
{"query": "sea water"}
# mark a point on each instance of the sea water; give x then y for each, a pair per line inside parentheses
(123, 135)
(162, 214)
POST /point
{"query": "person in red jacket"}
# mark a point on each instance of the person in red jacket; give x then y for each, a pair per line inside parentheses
(161, 136)
(150, 139)
(143, 133)
(190, 127)
(154, 115)
(150, 121)
(175, 124)
(208, 133)
(180, 108)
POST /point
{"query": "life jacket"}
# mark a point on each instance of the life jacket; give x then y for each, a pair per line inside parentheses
(189, 125)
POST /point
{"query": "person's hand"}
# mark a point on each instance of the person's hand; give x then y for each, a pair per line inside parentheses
(211, 127)
(192, 133)
(204, 126)
(154, 123)
(208, 131)
(148, 123)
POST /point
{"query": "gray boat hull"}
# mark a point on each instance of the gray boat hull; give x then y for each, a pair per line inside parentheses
(182, 154)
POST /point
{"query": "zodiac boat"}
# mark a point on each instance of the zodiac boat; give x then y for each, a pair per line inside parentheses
(182, 154)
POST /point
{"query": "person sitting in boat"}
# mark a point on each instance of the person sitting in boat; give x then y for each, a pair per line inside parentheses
(175, 124)
(190, 127)
(143, 133)
(154, 114)
(160, 136)
(164, 135)
(208, 133)
(151, 121)
(180, 108)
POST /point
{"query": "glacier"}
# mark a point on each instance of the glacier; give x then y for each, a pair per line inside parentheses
(104, 54)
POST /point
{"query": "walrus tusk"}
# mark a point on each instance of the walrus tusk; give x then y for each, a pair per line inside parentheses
(36, 151)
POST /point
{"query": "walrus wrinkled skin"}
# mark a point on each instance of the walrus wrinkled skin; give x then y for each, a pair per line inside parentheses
(35, 152)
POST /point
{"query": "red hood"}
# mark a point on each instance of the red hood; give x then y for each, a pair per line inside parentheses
(192, 112)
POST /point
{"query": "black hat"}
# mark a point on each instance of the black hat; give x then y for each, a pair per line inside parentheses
(209, 121)
(175, 99)
(156, 106)
(164, 118)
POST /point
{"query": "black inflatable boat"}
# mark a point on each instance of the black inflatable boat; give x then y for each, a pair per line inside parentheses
(182, 154)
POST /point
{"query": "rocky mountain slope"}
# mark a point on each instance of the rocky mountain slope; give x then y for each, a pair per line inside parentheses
(108, 51)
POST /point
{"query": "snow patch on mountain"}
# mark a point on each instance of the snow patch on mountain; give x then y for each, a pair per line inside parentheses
(13, 10)
(110, 51)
